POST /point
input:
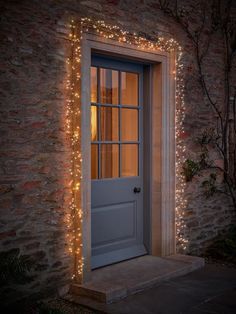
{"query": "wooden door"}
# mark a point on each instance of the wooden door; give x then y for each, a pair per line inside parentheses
(116, 161)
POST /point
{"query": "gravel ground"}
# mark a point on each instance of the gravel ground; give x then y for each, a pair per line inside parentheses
(65, 307)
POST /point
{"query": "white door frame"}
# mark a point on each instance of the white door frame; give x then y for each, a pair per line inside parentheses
(161, 197)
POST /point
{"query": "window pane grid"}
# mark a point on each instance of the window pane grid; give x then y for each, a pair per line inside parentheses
(117, 145)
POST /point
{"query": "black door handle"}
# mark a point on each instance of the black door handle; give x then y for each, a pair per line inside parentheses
(137, 190)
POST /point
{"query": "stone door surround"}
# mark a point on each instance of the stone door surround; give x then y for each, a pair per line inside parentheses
(159, 123)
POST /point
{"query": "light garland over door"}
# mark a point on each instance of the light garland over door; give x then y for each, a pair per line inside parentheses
(73, 105)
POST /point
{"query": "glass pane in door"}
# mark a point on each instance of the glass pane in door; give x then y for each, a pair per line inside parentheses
(109, 86)
(129, 124)
(93, 79)
(129, 160)
(94, 123)
(94, 161)
(109, 124)
(129, 88)
(109, 160)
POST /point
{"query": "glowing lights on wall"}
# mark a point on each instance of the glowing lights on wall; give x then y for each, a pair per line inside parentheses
(180, 201)
(114, 32)
(73, 131)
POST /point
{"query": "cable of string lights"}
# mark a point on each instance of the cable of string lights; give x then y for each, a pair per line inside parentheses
(73, 105)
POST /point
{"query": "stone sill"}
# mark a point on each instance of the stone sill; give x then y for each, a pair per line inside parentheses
(115, 282)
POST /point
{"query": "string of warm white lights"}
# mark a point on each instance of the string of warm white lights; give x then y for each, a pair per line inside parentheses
(180, 156)
(73, 124)
(73, 130)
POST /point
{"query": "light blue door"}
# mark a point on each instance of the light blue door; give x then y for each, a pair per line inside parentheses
(116, 161)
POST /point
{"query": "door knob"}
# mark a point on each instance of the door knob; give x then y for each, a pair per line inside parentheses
(137, 190)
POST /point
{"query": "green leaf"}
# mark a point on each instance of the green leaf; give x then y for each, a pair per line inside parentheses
(190, 169)
(14, 268)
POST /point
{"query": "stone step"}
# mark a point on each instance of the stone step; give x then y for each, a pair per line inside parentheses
(114, 282)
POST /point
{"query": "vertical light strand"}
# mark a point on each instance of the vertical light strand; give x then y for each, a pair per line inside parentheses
(180, 156)
(73, 130)
(114, 32)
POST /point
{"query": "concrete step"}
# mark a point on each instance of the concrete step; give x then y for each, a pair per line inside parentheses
(114, 282)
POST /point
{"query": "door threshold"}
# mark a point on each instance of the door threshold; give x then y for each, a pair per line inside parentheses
(119, 256)
(119, 262)
(120, 280)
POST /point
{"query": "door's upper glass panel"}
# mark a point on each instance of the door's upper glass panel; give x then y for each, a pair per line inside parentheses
(114, 123)
(129, 124)
(109, 124)
(109, 90)
(129, 88)
(93, 80)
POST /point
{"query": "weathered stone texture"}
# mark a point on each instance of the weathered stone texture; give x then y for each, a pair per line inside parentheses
(34, 153)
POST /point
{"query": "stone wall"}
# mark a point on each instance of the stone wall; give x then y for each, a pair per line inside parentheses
(34, 152)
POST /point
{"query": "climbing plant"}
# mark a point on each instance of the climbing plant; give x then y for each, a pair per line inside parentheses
(213, 19)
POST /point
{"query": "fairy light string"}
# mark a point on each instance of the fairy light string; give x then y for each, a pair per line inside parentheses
(114, 32)
(75, 219)
(180, 201)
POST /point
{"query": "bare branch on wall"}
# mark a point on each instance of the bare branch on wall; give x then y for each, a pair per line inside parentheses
(214, 18)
